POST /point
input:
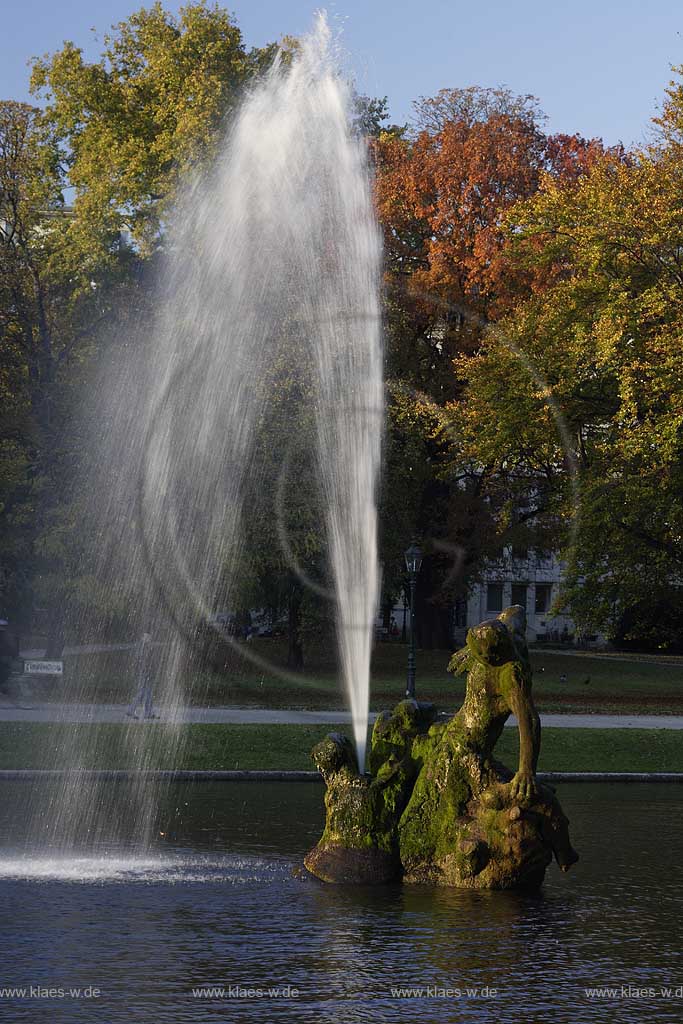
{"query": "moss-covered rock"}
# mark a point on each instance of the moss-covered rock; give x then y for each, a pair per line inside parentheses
(360, 841)
(436, 806)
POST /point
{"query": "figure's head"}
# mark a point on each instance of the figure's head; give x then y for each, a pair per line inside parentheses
(514, 618)
(491, 643)
(333, 754)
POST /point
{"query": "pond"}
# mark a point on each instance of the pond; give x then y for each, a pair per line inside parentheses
(216, 923)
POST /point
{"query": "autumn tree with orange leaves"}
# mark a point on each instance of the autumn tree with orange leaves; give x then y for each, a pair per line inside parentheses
(444, 193)
(442, 198)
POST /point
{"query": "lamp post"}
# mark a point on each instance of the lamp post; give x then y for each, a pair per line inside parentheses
(413, 557)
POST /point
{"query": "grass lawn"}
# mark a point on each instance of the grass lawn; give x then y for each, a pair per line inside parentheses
(641, 684)
(44, 745)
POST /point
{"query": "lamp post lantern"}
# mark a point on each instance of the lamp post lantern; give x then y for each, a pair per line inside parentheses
(413, 557)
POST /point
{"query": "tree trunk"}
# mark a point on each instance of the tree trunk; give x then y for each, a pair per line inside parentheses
(434, 614)
(434, 626)
(295, 653)
(55, 638)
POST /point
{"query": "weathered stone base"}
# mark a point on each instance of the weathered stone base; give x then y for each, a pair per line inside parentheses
(499, 844)
(347, 866)
(437, 809)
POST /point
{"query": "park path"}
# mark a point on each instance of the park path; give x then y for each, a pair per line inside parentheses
(571, 652)
(83, 713)
(675, 660)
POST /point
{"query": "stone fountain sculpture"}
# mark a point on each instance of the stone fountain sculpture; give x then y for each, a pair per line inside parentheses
(436, 806)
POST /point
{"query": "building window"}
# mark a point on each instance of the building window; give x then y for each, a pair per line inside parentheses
(520, 553)
(519, 594)
(542, 603)
(494, 597)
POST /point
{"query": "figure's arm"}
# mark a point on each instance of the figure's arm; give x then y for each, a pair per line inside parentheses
(522, 706)
(535, 734)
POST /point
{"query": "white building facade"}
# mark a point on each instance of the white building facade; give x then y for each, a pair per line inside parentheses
(532, 579)
(528, 578)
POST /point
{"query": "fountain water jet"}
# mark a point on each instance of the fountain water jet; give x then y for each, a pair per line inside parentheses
(285, 229)
(273, 257)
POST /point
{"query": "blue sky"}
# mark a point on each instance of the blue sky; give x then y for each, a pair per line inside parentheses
(599, 67)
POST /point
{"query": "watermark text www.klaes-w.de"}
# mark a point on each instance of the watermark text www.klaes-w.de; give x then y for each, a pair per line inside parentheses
(245, 992)
(50, 992)
(439, 992)
(635, 992)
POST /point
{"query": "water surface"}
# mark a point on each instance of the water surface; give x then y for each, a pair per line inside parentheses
(219, 901)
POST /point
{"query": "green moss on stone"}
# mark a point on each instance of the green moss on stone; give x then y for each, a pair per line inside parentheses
(435, 796)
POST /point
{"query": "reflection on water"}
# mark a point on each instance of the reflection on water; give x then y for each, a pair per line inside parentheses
(219, 901)
(113, 867)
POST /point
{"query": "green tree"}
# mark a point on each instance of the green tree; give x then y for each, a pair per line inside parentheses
(122, 133)
(51, 300)
(285, 548)
(138, 122)
(577, 396)
(52, 279)
(444, 191)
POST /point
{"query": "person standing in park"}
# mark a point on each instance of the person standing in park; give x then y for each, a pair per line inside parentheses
(9, 653)
(143, 671)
